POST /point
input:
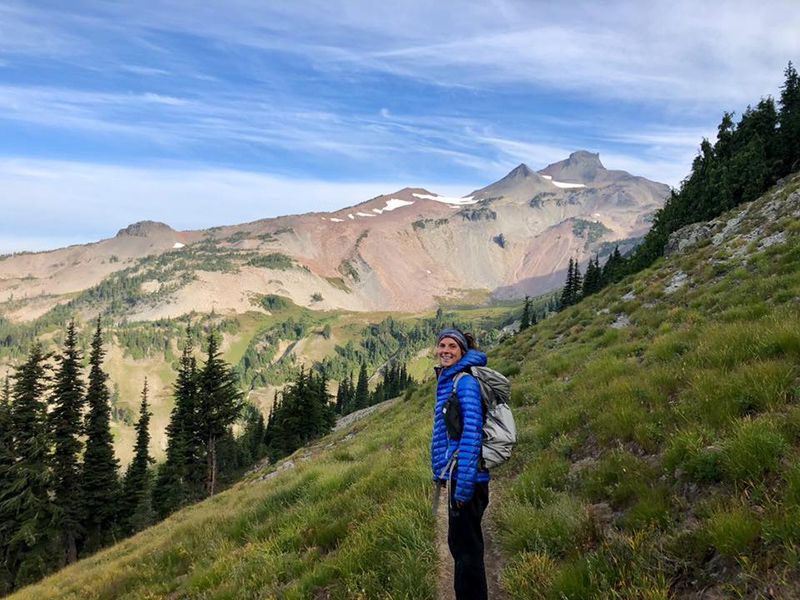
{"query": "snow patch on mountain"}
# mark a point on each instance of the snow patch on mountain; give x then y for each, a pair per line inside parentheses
(447, 200)
(396, 203)
(178, 245)
(361, 214)
(563, 185)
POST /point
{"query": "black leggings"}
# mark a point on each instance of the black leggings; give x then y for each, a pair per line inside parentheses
(465, 538)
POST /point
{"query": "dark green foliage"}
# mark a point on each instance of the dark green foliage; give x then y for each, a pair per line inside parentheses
(573, 287)
(26, 509)
(7, 458)
(275, 303)
(593, 281)
(66, 422)
(273, 260)
(220, 402)
(526, 315)
(789, 119)
(613, 269)
(395, 381)
(746, 159)
(302, 413)
(251, 442)
(345, 396)
(180, 477)
(592, 230)
(362, 388)
(135, 487)
(100, 483)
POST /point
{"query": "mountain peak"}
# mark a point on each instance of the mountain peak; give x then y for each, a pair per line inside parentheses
(582, 157)
(522, 170)
(580, 167)
(144, 229)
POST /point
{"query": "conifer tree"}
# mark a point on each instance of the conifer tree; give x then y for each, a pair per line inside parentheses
(577, 283)
(66, 421)
(220, 402)
(137, 477)
(26, 509)
(526, 315)
(180, 478)
(789, 119)
(100, 481)
(362, 388)
(7, 458)
(568, 293)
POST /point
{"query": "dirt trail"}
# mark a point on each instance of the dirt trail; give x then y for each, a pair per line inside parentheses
(492, 556)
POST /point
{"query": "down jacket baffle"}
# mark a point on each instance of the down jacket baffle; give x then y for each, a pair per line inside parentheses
(468, 391)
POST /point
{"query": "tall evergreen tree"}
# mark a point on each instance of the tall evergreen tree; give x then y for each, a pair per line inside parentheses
(100, 481)
(219, 406)
(180, 478)
(362, 388)
(137, 477)
(789, 119)
(577, 283)
(568, 293)
(66, 418)
(526, 315)
(26, 508)
(591, 282)
(7, 459)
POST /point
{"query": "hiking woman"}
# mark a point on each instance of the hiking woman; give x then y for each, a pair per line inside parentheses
(455, 458)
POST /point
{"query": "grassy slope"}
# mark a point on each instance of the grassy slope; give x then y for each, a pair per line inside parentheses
(655, 460)
(661, 458)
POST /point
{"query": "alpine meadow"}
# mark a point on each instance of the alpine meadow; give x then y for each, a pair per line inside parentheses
(239, 404)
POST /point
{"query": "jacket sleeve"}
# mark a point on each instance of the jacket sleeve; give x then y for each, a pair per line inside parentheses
(469, 447)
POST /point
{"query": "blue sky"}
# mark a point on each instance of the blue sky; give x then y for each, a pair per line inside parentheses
(200, 114)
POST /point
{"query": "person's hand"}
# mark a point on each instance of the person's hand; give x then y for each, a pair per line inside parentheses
(460, 504)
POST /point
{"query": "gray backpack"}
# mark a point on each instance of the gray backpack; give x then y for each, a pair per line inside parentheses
(499, 431)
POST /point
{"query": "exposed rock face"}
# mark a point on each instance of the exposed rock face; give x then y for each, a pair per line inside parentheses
(408, 250)
(145, 229)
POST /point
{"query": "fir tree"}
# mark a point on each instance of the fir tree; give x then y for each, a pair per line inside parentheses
(592, 283)
(100, 482)
(66, 420)
(180, 477)
(577, 283)
(567, 293)
(26, 509)
(789, 119)
(362, 388)
(7, 458)
(137, 477)
(526, 315)
(219, 406)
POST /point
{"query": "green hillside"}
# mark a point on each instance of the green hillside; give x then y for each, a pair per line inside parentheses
(659, 442)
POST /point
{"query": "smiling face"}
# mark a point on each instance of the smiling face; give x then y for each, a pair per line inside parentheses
(448, 351)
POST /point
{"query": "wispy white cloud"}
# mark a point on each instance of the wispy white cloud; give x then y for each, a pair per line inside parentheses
(93, 201)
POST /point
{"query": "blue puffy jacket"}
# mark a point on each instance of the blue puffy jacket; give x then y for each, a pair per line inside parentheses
(468, 391)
